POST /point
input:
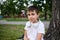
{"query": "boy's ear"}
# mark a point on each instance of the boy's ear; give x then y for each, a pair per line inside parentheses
(38, 14)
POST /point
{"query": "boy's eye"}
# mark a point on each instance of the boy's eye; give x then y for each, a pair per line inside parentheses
(28, 14)
(33, 14)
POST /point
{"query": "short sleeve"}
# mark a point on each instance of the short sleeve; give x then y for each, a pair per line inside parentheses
(41, 28)
(27, 25)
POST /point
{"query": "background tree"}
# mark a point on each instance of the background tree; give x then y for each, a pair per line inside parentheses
(8, 8)
(14, 7)
(53, 32)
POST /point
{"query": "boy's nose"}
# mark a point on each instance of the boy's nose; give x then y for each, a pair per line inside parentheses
(30, 16)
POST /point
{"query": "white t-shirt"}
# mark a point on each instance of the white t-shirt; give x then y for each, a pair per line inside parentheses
(33, 29)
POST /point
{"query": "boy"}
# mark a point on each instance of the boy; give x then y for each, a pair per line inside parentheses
(34, 29)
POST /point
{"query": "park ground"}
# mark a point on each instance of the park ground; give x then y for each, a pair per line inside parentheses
(12, 30)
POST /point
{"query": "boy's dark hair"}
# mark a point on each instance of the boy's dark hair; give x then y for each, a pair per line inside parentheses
(32, 8)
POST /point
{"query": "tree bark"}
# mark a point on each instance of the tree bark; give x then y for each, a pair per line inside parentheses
(53, 32)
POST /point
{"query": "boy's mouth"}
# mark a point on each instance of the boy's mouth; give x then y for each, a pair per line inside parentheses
(32, 20)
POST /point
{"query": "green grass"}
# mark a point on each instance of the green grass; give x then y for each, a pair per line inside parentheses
(42, 19)
(11, 32)
(21, 19)
(15, 19)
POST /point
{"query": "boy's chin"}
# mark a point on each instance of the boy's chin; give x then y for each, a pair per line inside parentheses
(33, 21)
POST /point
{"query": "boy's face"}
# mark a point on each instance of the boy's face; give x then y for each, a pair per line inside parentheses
(32, 16)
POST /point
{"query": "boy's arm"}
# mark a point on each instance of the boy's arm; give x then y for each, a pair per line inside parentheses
(41, 32)
(25, 35)
(39, 36)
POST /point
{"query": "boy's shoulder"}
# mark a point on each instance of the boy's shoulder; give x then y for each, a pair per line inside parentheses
(41, 23)
(28, 22)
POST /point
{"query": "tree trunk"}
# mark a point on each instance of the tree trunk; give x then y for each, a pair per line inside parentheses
(53, 32)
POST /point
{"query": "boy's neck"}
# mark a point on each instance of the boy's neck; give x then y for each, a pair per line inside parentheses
(35, 21)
